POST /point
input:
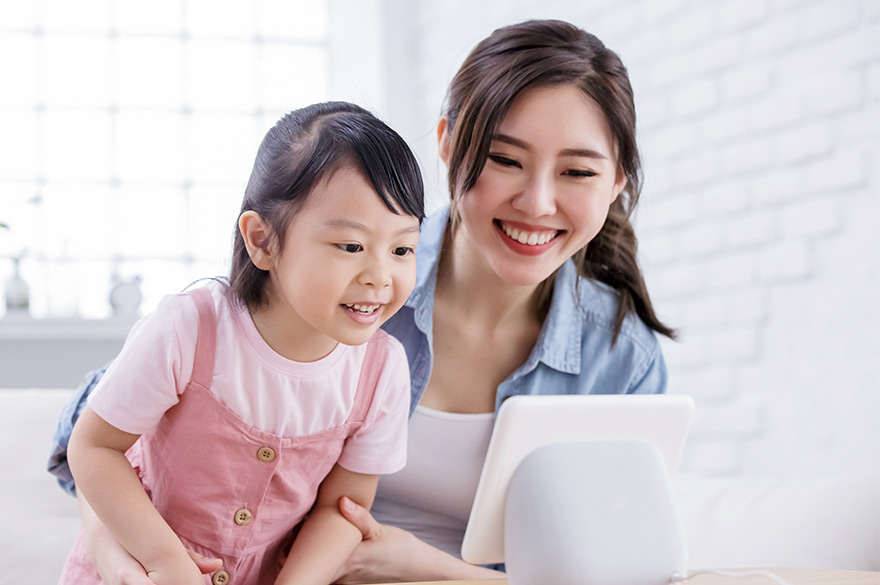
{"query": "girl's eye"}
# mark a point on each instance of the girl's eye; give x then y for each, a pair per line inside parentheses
(579, 173)
(504, 161)
(350, 248)
(403, 251)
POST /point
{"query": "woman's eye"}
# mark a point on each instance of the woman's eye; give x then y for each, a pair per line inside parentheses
(504, 161)
(579, 173)
(350, 248)
(403, 251)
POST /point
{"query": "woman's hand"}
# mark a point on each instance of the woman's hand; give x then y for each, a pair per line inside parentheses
(388, 553)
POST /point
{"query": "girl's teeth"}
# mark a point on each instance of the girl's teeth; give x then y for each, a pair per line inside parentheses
(367, 309)
(530, 239)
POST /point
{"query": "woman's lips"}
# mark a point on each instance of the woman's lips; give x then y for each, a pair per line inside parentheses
(527, 240)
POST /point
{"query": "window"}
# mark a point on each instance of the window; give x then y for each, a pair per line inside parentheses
(127, 132)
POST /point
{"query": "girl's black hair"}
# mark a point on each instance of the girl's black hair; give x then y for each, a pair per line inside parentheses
(301, 149)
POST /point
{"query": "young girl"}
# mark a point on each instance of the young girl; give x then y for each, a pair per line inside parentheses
(234, 411)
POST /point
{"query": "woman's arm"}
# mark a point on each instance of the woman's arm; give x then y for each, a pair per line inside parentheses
(107, 481)
(388, 553)
(326, 538)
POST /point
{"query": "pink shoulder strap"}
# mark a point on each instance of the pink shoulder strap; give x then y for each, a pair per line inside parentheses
(374, 360)
(206, 342)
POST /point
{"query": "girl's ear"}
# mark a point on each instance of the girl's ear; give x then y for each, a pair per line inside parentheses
(257, 235)
(443, 140)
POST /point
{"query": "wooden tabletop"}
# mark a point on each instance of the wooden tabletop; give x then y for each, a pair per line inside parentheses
(751, 577)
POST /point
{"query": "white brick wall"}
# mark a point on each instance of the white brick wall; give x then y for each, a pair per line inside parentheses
(761, 209)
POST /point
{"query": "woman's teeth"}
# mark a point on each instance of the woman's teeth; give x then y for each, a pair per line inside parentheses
(363, 309)
(529, 238)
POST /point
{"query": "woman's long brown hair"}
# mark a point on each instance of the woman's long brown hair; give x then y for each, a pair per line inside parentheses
(550, 52)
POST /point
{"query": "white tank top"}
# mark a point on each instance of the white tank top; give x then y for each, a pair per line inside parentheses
(432, 496)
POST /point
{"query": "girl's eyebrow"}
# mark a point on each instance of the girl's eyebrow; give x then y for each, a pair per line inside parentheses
(584, 152)
(342, 224)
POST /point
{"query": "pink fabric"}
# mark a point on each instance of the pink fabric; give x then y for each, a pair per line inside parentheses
(266, 390)
(201, 466)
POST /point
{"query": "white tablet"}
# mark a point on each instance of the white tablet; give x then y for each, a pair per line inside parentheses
(525, 423)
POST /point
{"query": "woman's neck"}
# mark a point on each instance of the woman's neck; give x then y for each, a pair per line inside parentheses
(477, 294)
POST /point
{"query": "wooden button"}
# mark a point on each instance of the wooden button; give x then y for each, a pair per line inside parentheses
(220, 578)
(242, 516)
(266, 454)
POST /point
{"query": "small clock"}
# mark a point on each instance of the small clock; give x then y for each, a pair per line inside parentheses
(125, 298)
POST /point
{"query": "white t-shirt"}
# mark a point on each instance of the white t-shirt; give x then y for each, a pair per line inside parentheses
(266, 390)
(433, 495)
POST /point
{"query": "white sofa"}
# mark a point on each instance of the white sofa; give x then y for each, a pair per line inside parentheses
(828, 522)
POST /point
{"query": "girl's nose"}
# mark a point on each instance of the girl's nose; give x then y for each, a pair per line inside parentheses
(377, 273)
(538, 196)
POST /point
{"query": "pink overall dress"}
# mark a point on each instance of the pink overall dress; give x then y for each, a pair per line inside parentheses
(227, 489)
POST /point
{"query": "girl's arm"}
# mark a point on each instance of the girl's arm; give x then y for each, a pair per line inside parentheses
(326, 537)
(107, 481)
(115, 565)
(388, 553)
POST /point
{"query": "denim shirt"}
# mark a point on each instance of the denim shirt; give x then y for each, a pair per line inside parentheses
(573, 354)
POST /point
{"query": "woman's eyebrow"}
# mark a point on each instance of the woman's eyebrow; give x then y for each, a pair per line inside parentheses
(584, 152)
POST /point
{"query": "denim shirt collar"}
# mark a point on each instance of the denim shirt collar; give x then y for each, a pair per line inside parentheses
(559, 342)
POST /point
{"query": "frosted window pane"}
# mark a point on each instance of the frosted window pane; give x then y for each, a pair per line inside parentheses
(94, 279)
(78, 16)
(76, 145)
(75, 71)
(160, 278)
(153, 17)
(306, 19)
(18, 59)
(220, 18)
(224, 147)
(214, 210)
(18, 211)
(18, 145)
(293, 77)
(222, 74)
(149, 72)
(152, 222)
(76, 218)
(15, 14)
(150, 146)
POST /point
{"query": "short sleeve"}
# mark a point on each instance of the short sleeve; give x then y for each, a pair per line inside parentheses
(152, 369)
(379, 446)
(652, 377)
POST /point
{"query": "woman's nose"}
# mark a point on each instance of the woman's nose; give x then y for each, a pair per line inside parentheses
(538, 196)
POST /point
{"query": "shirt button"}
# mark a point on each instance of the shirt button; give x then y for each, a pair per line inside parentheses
(242, 516)
(220, 578)
(266, 454)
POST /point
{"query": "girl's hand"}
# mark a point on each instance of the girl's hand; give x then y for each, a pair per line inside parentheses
(117, 567)
(176, 571)
(388, 553)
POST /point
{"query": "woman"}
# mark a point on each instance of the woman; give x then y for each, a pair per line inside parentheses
(527, 283)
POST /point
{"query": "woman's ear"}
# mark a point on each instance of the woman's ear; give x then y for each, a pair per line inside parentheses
(257, 235)
(443, 140)
(619, 183)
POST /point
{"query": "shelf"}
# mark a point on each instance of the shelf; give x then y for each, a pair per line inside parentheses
(24, 328)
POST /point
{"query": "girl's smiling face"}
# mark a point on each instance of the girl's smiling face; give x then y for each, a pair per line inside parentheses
(347, 264)
(545, 189)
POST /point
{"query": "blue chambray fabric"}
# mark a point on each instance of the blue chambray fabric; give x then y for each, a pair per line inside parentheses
(57, 464)
(573, 354)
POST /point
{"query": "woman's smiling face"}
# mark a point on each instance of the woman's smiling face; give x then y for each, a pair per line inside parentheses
(545, 190)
